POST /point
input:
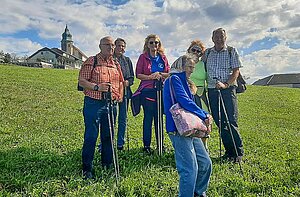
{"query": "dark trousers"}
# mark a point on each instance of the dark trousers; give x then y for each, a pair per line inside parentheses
(95, 113)
(122, 121)
(230, 102)
(149, 103)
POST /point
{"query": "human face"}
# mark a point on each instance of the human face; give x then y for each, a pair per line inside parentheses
(196, 50)
(107, 46)
(153, 44)
(120, 48)
(219, 38)
(189, 69)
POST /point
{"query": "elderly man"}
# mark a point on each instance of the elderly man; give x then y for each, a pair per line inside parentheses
(223, 65)
(98, 76)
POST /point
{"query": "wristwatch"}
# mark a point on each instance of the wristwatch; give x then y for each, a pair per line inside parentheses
(96, 87)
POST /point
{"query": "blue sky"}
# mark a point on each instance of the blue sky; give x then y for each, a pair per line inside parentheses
(266, 33)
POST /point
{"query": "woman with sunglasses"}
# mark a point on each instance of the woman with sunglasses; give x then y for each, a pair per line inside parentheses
(199, 77)
(152, 67)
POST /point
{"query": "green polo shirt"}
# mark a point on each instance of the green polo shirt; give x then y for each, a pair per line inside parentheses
(199, 77)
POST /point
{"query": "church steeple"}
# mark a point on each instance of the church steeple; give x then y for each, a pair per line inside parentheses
(67, 42)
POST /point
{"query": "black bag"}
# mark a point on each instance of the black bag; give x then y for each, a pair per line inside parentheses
(79, 88)
(241, 84)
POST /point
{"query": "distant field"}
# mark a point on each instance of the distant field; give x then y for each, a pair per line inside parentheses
(41, 136)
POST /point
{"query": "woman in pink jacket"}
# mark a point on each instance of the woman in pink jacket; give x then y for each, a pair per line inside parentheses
(152, 66)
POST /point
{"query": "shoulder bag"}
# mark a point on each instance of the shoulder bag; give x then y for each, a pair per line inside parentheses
(187, 123)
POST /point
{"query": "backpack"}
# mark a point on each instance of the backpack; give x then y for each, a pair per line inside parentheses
(79, 88)
(241, 83)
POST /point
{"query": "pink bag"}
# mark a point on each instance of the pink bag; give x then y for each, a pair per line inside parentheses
(187, 123)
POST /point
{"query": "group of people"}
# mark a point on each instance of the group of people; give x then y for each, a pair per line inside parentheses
(198, 79)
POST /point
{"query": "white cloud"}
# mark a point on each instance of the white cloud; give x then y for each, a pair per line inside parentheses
(18, 46)
(177, 22)
(280, 59)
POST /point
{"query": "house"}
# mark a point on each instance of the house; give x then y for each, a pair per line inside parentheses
(280, 80)
(69, 56)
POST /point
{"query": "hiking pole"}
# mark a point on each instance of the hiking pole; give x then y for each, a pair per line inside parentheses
(109, 106)
(126, 107)
(220, 123)
(159, 117)
(230, 130)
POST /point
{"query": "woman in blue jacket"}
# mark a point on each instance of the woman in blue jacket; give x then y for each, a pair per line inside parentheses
(192, 161)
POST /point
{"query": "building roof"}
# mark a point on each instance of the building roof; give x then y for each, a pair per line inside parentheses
(56, 51)
(84, 55)
(276, 79)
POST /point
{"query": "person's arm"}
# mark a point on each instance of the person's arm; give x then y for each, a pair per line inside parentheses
(121, 84)
(235, 63)
(84, 77)
(231, 80)
(131, 77)
(185, 101)
(165, 74)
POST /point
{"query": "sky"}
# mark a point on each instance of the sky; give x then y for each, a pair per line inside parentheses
(266, 33)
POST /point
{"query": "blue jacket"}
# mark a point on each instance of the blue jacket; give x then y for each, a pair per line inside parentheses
(183, 96)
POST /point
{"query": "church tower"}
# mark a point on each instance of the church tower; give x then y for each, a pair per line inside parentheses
(67, 42)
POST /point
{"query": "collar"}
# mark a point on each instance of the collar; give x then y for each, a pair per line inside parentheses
(110, 58)
(225, 48)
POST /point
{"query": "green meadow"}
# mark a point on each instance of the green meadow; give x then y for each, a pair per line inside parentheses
(41, 136)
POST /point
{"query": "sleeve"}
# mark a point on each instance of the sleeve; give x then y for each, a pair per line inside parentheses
(121, 78)
(86, 69)
(204, 56)
(131, 74)
(167, 66)
(235, 58)
(139, 66)
(185, 101)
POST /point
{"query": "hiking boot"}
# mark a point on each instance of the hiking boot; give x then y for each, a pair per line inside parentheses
(202, 195)
(227, 157)
(120, 147)
(147, 150)
(87, 175)
(237, 159)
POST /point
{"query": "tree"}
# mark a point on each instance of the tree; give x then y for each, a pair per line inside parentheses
(7, 58)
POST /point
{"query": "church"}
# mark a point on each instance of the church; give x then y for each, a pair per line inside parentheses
(68, 57)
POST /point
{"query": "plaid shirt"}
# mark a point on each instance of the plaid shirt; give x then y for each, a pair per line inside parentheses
(105, 71)
(220, 65)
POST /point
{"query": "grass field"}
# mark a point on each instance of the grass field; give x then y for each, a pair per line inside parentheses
(41, 135)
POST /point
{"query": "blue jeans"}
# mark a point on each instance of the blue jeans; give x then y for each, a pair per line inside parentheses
(95, 113)
(193, 165)
(230, 102)
(122, 121)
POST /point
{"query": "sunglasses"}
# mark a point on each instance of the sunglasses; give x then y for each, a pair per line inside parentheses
(156, 42)
(196, 50)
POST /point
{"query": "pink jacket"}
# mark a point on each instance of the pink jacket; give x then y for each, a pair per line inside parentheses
(143, 66)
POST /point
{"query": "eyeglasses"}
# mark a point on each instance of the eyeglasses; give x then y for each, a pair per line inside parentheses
(156, 42)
